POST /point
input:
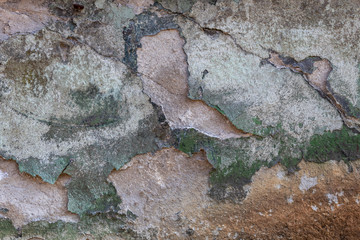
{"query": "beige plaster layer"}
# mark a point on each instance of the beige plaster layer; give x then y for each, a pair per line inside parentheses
(24, 199)
(166, 190)
(23, 16)
(163, 68)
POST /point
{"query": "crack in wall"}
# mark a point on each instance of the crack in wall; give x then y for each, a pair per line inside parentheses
(165, 82)
(207, 30)
(316, 71)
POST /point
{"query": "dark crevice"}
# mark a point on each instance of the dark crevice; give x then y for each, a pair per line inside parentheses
(207, 30)
(316, 71)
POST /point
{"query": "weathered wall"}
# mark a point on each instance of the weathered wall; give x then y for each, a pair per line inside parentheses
(194, 119)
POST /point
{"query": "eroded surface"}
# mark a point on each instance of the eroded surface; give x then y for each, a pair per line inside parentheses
(312, 203)
(278, 203)
(87, 86)
(316, 72)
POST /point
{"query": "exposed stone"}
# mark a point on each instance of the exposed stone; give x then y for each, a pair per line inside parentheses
(272, 212)
(221, 144)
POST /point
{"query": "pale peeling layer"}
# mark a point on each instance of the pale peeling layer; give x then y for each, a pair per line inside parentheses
(165, 190)
(24, 199)
(162, 63)
(23, 16)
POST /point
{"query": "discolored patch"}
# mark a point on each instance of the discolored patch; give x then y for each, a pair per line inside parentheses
(295, 206)
(138, 6)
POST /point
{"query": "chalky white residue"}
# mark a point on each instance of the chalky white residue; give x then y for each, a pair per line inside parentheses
(3, 175)
(307, 183)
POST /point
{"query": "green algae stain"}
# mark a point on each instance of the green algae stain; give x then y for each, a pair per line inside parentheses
(89, 192)
(49, 172)
(219, 152)
(28, 76)
(6, 228)
(337, 145)
(97, 227)
(107, 202)
(99, 110)
(257, 121)
(239, 169)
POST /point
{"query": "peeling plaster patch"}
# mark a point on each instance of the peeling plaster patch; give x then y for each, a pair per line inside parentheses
(307, 183)
(30, 199)
(168, 192)
(298, 28)
(316, 72)
(254, 97)
(92, 118)
(315, 208)
(23, 16)
(162, 63)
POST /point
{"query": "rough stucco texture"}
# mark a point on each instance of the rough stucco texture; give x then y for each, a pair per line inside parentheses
(191, 119)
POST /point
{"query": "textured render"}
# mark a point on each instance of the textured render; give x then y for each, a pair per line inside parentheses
(182, 183)
(135, 119)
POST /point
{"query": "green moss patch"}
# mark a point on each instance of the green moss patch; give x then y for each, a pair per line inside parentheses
(337, 145)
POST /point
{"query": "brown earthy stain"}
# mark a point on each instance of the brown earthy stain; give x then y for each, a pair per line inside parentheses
(318, 79)
(163, 67)
(328, 210)
(170, 195)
